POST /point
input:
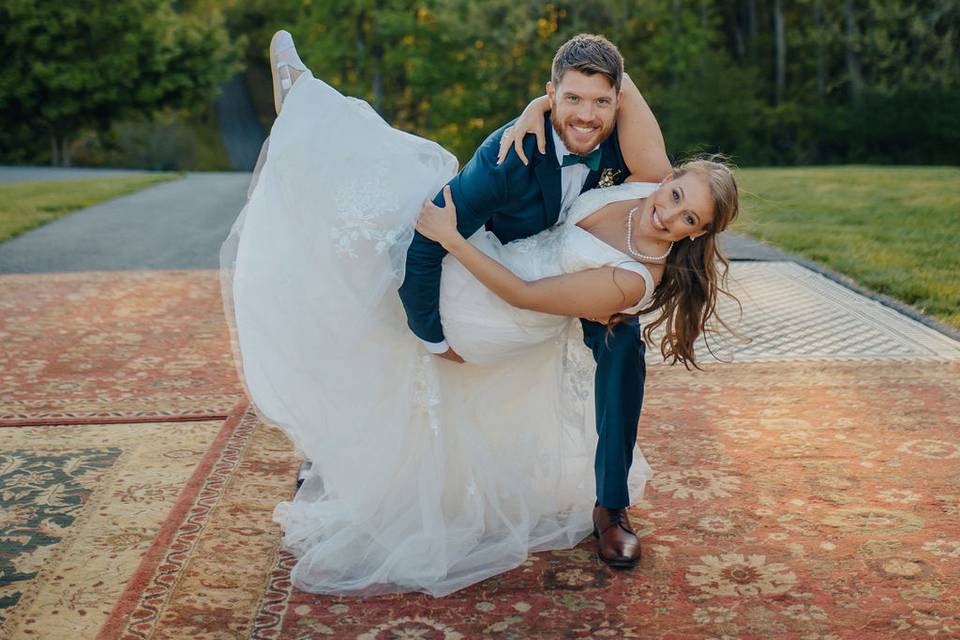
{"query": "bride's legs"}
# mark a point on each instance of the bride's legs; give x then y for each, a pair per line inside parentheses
(285, 67)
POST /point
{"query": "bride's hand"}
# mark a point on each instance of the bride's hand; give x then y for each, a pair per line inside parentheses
(440, 225)
(530, 121)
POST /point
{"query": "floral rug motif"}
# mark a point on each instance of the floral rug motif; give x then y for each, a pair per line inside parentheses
(208, 576)
(801, 500)
(805, 501)
(81, 504)
(113, 346)
(41, 494)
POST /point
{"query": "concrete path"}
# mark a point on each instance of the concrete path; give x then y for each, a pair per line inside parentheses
(28, 174)
(172, 225)
(736, 246)
(181, 224)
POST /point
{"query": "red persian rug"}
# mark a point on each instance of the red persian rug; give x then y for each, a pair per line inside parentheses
(814, 501)
(805, 501)
(113, 346)
(116, 395)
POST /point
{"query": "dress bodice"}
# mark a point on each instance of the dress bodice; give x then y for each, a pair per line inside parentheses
(582, 250)
(482, 326)
(568, 248)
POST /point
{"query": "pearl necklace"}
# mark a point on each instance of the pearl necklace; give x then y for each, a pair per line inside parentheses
(634, 252)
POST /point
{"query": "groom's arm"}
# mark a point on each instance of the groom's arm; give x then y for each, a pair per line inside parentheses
(480, 190)
(639, 135)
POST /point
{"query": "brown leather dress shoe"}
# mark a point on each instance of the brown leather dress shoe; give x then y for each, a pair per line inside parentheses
(618, 545)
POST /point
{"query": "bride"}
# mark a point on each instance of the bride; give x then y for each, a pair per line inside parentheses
(430, 475)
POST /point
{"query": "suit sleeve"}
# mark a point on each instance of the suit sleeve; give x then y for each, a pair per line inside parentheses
(479, 190)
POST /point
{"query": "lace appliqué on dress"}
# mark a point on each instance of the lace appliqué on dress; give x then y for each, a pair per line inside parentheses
(578, 365)
(542, 242)
(427, 391)
(362, 207)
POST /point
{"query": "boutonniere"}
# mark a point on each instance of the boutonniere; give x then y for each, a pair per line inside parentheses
(606, 178)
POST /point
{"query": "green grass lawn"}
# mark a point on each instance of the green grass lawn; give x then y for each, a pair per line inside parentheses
(25, 205)
(895, 230)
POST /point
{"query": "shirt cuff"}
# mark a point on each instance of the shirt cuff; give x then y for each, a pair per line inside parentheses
(436, 347)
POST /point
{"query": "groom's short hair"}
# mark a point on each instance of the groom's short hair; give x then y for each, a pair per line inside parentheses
(589, 54)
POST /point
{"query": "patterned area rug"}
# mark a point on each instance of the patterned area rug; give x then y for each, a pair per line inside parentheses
(210, 576)
(119, 427)
(82, 504)
(113, 346)
(810, 500)
(791, 501)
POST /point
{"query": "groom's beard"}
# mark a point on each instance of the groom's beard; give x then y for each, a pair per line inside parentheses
(563, 129)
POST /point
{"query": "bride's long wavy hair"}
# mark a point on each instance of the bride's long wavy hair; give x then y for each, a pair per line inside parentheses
(695, 273)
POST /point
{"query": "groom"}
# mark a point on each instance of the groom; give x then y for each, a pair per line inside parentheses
(517, 200)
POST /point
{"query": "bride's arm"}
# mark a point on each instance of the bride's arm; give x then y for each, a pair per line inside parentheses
(595, 293)
(641, 140)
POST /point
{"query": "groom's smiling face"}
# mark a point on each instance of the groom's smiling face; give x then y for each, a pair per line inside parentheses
(583, 109)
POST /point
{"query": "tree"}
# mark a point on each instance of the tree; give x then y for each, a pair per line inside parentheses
(784, 82)
(72, 66)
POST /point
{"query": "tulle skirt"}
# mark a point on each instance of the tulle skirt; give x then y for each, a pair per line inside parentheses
(427, 475)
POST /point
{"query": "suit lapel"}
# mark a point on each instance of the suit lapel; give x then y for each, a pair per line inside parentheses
(547, 170)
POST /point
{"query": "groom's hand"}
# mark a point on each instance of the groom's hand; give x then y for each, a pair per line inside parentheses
(452, 355)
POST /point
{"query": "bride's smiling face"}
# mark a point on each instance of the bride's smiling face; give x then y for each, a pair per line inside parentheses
(583, 110)
(680, 208)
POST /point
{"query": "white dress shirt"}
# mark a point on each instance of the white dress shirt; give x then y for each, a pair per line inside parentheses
(572, 179)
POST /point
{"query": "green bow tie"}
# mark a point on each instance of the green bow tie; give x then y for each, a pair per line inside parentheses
(592, 159)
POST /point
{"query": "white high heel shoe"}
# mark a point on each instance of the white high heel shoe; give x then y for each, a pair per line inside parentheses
(285, 65)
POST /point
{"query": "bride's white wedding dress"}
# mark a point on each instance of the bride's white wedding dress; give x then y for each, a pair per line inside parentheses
(427, 475)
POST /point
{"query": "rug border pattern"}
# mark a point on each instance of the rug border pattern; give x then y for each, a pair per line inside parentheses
(136, 612)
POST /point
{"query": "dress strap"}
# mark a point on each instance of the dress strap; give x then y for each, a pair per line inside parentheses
(639, 267)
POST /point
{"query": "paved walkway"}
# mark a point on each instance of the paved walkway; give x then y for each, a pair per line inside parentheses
(172, 225)
(181, 224)
(27, 174)
(736, 246)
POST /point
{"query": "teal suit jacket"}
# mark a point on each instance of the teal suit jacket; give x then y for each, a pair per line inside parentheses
(512, 200)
